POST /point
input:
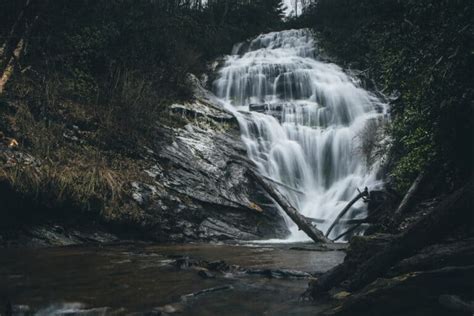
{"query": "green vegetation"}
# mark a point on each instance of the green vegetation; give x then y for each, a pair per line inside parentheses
(124, 61)
(421, 51)
(93, 81)
(108, 70)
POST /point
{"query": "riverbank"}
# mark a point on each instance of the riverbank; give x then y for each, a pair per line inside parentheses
(187, 183)
(101, 126)
(416, 257)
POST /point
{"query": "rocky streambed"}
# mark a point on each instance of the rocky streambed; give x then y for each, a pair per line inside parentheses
(157, 279)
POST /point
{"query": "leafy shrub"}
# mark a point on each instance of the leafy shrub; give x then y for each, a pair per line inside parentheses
(421, 50)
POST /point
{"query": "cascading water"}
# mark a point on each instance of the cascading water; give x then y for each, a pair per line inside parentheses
(301, 120)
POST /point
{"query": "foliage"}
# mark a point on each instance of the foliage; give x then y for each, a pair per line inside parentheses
(422, 51)
(125, 60)
(95, 80)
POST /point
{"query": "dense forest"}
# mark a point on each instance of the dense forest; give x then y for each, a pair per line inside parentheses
(112, 68)
(145, 146)
(420, 52)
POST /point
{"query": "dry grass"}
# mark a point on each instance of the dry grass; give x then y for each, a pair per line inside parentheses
(58, 172)
(81, 153)
(85, 183)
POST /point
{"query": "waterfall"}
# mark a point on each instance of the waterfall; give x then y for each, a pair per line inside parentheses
(301, 121)
(293, 7)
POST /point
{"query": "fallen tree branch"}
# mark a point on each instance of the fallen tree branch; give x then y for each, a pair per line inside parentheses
(453, 211)
(302, 223)
(423, 292)
(342, 221)
(283, 185)
(362, 194)
(14, 46)
(357, 225)
(348, 231)
(410, 196)
(7, 73)
(12, 38)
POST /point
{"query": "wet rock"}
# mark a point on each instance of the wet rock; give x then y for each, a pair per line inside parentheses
(455, 303)
(221, 230)
(57, 235)
(193, 183)
(437, 256)
(204, 168)
(341, 295)
(275, 110)
(422, 293)
(220, 265)
(186, 263)
(280, 273)
(194, 295)
(142, 193)
(168, 309)
(205, 274)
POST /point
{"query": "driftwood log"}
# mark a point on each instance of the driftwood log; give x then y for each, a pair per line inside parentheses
(362, 194)
(410, 196)
(358, 223)
(416, 293)
(454, 211)
(301, 221)
(342, 221)
(283, 185)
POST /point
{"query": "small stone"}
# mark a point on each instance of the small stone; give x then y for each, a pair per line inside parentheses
(341, 295)
(205, 274)
(170, 309)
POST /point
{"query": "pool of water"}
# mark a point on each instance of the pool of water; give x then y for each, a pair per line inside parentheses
(142, 278)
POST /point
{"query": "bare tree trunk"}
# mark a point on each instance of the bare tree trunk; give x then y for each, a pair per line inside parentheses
(362, 194)
(410, 196)
(12, 39)
(8, 71)
(302, 223)
(14, 46)
(453, 211)
(283, 185)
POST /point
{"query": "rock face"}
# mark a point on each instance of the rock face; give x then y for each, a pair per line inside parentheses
(201, 189)
(189, 184)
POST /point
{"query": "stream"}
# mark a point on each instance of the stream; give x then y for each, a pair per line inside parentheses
(306, 123)
(151, 278)
(302, 120)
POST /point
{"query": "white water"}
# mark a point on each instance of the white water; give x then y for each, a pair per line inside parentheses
(293, 7)
(314, 145)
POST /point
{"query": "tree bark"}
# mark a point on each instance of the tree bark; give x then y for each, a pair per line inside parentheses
(360, 269)
(14, 46)
(453, 211)
(283, 185)
(302, 223)
(410, 196)
(8, 71)
(362, 194)
(11, 42)
(342, 221)
(421, 292)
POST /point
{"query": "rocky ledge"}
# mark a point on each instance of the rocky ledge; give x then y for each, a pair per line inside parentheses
(192, 185)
